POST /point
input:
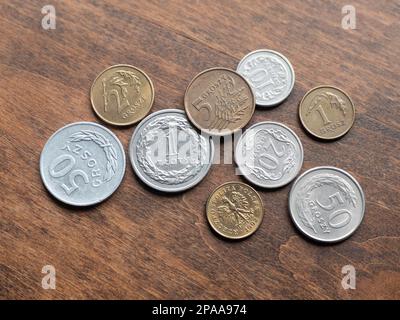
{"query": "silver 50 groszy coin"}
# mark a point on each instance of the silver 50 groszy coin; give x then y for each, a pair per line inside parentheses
(326, 204)
(82, 164)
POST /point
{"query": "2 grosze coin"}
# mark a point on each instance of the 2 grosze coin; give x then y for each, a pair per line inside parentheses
(326, 204)
(122, 95)
(270, 75)
(168, 154)
(82, 164)
(269, 154)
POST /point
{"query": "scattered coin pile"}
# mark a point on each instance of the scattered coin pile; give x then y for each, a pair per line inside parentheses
(171, 150)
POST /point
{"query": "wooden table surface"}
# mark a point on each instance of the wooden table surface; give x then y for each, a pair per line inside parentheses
(142, 244)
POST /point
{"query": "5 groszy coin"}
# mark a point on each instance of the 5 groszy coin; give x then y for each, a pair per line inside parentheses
(82, 164)
(326, 204)
(219, 101)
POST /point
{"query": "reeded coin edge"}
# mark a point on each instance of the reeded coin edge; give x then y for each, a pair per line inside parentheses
(42, 169)
(290, 68)
(219, 232)
(117, 123)
(257, 183)
(338, 239)
(143, 178)
(316, 135)
(229, 132)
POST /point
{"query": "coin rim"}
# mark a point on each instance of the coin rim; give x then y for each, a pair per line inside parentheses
(117, 123)
(233, 237)
(141, 176)
(296, 137)
(230, 132)
(264, 105)
(42, 169)
(316, 135)
(337, 239)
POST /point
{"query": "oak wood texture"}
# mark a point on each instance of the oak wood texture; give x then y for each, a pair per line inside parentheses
(142, 244)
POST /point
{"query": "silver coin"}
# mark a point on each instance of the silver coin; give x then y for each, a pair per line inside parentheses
(82, 164)
(326, 204)
(270, 75)
(168, 154)
(269, 154)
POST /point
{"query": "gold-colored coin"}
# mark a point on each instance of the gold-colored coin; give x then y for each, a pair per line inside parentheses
(235, 210)
(327, 112)
(219, 101)
(122, 95)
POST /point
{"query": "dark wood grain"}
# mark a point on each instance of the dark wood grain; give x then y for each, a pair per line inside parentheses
(141, 244)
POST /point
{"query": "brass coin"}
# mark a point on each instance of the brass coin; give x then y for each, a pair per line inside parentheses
(122, 95)
(327, 112)
(219, 101)
(234, 210)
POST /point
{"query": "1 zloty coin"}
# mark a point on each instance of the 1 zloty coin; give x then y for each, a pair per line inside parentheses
(82, 164)
(168, 154)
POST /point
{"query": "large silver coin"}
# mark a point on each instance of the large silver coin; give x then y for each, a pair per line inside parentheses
(270, 75)
(82, 164)
(168, 154)
(269, 154)
(326, 204)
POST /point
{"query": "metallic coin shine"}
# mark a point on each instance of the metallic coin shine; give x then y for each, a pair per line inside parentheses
(270, 75)
(168, 154)
(234, 210)
(327, 112)
(326, 204)
(122, 95)
(82, 164)
(219, 101)
(269, 154)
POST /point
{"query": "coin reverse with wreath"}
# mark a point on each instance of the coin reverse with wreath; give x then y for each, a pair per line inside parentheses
(168, 154)
(82, 164)
(270, 75)
(269, 154)
(327, 204)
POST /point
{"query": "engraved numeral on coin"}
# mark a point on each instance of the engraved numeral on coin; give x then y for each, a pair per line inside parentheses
(67, 170)
(323, 115)
(270, 157)
(204, 106)
(335, 200)
(260, 78)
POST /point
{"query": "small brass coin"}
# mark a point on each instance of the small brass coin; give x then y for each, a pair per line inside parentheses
(234, 210)
(122, 95)
(327, 112)
(219, 101)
